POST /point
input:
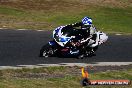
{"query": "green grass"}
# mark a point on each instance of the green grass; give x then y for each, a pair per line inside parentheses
(11, 78)
(12, 11)
(118, 20)
(47, 15)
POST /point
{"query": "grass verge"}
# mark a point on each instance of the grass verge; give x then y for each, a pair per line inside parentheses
(108, 16)
(57, 77)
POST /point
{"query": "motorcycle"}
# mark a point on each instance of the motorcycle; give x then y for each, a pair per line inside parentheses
(71, 42)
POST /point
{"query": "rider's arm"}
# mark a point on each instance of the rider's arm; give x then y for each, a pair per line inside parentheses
(93, 30)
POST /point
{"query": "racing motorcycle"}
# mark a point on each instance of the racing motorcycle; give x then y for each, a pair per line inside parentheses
(71, 42)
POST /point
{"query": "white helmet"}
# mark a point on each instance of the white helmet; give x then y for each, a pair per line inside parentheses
(87, 21)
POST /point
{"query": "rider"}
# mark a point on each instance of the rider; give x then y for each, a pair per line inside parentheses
(87, 27)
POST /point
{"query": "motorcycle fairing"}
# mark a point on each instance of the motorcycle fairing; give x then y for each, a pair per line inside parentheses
(60, 37)
(52, 43)
(63, 40)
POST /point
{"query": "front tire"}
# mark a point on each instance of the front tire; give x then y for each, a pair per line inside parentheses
(81, 56)
(46, 51)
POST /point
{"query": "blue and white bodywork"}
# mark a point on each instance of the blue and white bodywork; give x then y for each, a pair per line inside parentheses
(59, 37)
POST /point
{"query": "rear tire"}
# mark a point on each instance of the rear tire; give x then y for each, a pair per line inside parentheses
(80, 56)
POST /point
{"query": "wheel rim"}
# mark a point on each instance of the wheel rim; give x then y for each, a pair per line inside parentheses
(45, 54)
(48, 53)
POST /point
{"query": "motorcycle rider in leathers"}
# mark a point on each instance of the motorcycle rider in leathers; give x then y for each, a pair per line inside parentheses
(89, 35)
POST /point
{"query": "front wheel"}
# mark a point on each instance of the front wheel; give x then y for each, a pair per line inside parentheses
(46, 51)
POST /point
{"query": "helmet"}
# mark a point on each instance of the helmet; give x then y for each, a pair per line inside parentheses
(87, 21)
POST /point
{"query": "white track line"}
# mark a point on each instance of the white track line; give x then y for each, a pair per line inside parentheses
(22, 29)
(118, 34)
(67, 64)
(39, 30)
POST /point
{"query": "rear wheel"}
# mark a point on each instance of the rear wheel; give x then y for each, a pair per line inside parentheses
(91, 51)
(46, 51)
(81, 56)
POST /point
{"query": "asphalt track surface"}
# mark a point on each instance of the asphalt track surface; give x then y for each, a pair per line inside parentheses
(21, 47)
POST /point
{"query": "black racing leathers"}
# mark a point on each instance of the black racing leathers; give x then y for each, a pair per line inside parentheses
(79, 27)
(78, 30)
